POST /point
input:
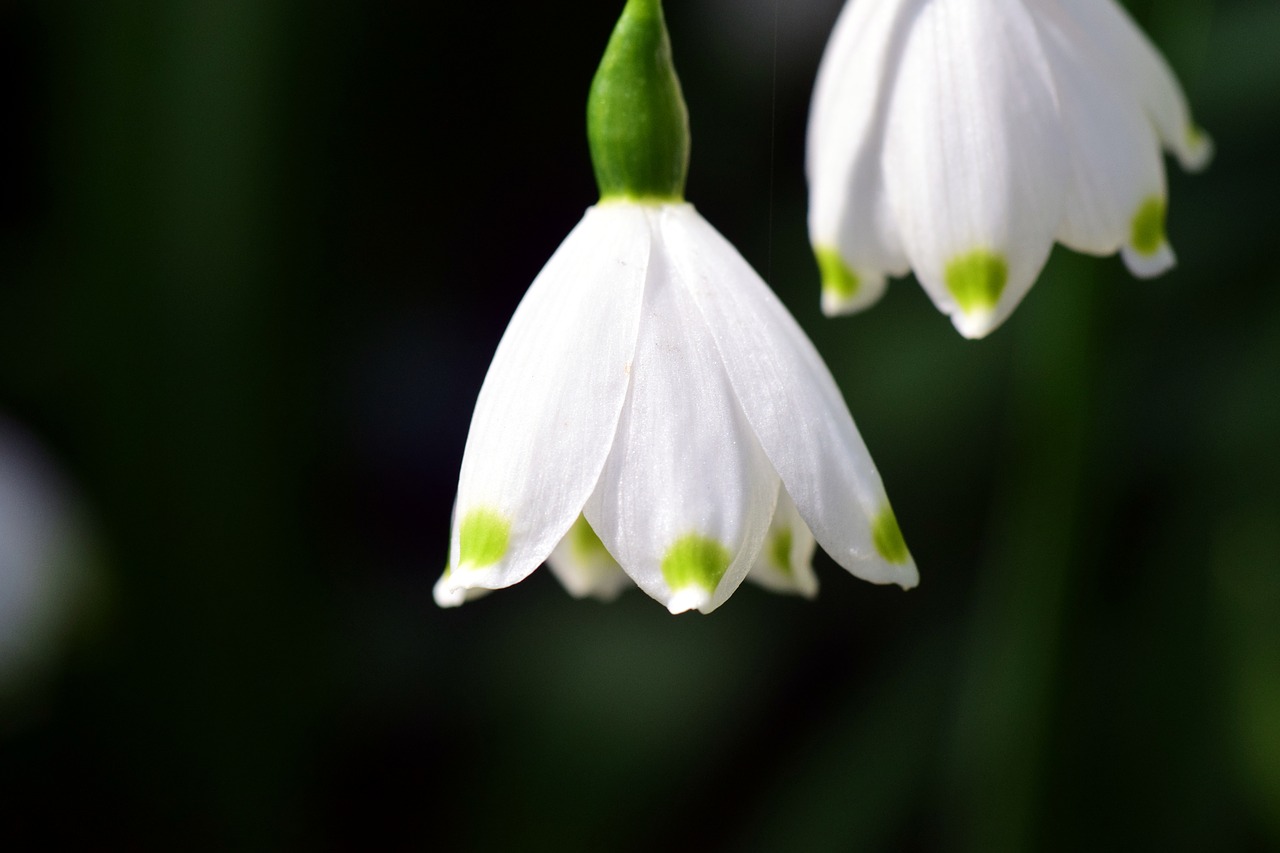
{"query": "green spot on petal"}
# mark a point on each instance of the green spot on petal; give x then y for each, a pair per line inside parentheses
(780, 551)
(837, 278)
(695, 561)
(1146, 234)
(977, 279)
(888, 538)
(585, 543)
(484, 536)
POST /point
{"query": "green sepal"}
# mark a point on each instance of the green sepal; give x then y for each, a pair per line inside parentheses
(637, 123)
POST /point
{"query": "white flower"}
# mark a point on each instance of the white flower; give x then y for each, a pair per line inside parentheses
(653, 384)
(652, 410)
(961, 138)
(42, 554)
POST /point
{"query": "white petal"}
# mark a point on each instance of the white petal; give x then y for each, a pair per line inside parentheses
(1151, 261)
(550, 403)
(785, 563)
(792, 404)
(445, 592)
(846, 290)
(585, 567)
(1135, 64)
(686, 496)
(1117, 173)
(448, 593)
(45, 575)
(840, 110)
(975, 164)
(849, 216)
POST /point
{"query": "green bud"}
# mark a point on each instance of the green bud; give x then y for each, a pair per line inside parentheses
(637, 124)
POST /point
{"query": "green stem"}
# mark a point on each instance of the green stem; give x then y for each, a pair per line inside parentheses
(1012, 656)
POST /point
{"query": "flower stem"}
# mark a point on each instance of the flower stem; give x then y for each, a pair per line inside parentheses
(1012, 658)
(637, 123)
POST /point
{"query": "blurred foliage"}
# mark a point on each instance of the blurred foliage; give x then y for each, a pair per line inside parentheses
(254, 258)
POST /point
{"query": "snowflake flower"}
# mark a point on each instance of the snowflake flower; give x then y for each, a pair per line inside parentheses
(961, 138)
(652, 405)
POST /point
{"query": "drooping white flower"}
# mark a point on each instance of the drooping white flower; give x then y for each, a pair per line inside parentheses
(652, 406)
(961, 138)
(651, 382)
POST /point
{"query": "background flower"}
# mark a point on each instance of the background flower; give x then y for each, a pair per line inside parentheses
(961, 138)
(44, 565)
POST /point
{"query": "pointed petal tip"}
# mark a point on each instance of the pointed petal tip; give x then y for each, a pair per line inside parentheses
(800, 581)
(605, 589)
(895, 563)
(458, 586)
(839, 303)
(447, 592)
(844, 289)
(785, 562)
(1149, 264)
(883, 572)
(908, 576)
(835, 305)
(1147, 252)
(888, 561)
(974, 325)
(689, 598)
(603, 594)
(1196, 153)
(446, 596)
(975, 282)
(584, 567)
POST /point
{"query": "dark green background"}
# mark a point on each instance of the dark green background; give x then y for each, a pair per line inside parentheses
(255, 256)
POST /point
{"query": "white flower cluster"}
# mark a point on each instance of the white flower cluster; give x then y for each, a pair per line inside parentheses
(654, 413)
(961, 138)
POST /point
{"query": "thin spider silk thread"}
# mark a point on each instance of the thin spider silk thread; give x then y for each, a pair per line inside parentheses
(773, 138)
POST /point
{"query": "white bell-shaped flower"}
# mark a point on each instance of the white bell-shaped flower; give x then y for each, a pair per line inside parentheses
(651, 382)
(653, 411)
(962, 138)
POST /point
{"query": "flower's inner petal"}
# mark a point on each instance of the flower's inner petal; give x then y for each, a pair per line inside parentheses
(1116, 165)
(686, 496)
(585, 567)
(785, 563)
(851, 227)
(550, 403)
(791, 402)
(1131, 61)
(975, 164)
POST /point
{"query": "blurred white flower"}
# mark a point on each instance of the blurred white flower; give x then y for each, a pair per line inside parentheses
(652, 383)
(961, 138)
(42, 551)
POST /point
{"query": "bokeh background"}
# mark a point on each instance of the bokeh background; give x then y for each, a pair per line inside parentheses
(255, 256)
